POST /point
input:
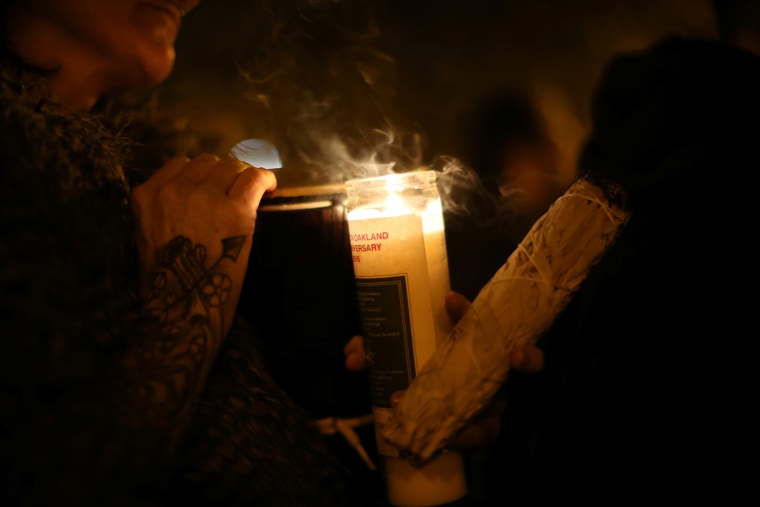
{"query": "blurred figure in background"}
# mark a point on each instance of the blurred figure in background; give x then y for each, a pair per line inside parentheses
(510, 174)
(636, 402)
(508, 146)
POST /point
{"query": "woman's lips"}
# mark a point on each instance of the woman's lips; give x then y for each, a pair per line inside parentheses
(173, 10)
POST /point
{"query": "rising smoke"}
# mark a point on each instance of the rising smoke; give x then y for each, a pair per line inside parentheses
(320, 77)
(357, 88)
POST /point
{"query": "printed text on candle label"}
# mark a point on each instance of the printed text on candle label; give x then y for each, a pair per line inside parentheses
(357, 247)
(373, 236)
(386, 324)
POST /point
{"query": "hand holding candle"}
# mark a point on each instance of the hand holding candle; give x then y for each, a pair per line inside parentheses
(522, 358)
(516, 306)
(485, 428)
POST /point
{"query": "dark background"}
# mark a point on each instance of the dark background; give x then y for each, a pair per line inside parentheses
(393, 80)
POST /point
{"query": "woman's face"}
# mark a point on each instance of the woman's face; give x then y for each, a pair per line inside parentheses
(132, 40)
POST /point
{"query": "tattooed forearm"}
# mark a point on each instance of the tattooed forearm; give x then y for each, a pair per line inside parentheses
(185, 311)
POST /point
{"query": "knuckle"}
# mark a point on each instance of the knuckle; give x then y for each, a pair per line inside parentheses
(172, 191)
(206, 157)
(239, 165)
(256, 179)
(258, 176)
(255, 173)
(180, 160)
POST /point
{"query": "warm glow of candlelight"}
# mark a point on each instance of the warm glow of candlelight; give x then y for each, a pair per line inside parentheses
(399, 254)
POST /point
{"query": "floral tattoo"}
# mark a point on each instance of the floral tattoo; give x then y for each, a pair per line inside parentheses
(185, 299)
(196, 284)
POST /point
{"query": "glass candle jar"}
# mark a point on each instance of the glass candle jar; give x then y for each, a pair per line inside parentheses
(398, 248)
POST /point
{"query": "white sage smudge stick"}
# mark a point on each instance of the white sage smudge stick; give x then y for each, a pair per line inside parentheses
(515, 307)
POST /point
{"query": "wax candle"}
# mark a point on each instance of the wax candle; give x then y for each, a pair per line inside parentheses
(400, 263)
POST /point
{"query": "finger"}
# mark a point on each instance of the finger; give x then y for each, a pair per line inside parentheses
(225, 173)
(527, 359)
(395, 397)
(356, 358)
(456, 306)
(251, 184)
(198, 169)
(167, 172)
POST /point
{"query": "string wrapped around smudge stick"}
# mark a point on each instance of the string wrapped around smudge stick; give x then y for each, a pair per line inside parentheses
(515, 307)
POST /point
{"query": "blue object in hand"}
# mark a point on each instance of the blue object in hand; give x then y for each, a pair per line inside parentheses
(257, 152)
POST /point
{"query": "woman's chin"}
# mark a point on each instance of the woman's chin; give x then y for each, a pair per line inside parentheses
(157, 67)
(138, 72)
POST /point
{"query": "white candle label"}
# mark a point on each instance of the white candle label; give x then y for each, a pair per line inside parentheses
(396, 303)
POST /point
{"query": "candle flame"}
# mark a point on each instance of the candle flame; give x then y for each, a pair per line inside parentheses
(395, 206)
(395, 195)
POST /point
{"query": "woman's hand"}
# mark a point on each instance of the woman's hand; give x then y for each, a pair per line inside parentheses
(196, 220)
(485, 427)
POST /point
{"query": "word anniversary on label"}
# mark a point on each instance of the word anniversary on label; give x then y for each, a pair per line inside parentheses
(372, 247)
